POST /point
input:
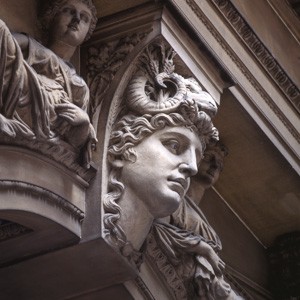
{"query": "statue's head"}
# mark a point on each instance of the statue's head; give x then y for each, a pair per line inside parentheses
(155, 155)
(212, 164)
(83, 10)
(158, 140)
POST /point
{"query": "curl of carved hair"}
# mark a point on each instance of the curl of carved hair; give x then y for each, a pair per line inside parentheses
(112, 209)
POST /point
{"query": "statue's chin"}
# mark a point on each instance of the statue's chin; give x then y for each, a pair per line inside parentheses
(167, 207)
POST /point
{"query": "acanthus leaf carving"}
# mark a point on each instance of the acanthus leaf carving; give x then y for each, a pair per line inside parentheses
(103, 63)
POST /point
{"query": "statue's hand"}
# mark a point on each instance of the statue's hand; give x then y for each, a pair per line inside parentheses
(205, 250)
(71, 113)
(72, 123)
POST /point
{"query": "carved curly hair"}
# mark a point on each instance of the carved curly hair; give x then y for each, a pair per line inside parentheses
(130, 130)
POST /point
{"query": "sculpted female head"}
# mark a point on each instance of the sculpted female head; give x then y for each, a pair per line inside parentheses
(157, 144)
(155, 156)
(55, 7)
(211, 164)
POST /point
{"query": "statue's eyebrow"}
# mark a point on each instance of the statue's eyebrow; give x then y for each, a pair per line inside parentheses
(74, 7)
(184, 140)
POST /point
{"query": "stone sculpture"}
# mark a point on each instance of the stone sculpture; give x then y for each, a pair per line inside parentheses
(209, 170)
(42, 99)
(155, 147)
(190, 243)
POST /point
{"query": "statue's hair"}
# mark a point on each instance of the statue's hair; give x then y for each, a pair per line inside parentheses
(218, 147)
(131, 130)
(47, 15)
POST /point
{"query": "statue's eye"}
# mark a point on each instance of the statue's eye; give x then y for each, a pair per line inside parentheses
(84, 17)
(172, 145)
(66, 9)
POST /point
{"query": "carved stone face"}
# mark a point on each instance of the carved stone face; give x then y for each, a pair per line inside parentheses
(160, 175)
(72, 23)
(210, 167)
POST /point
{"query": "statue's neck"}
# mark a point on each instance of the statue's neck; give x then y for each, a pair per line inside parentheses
(196, 193)
(135, 219)
(62, 49)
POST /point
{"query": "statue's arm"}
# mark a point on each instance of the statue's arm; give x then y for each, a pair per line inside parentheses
(23, 42)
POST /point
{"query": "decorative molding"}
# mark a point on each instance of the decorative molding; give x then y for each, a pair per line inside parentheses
(239, 63)
(60, 152)
(9, 230)
(143, 289)
(260, 51)
(103, 63)
(48, 196)
(167, 270)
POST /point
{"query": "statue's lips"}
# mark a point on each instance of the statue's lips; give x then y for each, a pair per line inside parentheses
(73, 27)
(211, 173)
(180, 184)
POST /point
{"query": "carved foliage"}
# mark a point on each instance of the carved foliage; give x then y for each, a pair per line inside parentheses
(103, 63)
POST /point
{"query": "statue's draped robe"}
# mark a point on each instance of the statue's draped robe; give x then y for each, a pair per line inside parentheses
(187, 228)
(35, 85)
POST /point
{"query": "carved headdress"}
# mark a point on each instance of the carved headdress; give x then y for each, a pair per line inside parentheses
(157, 89)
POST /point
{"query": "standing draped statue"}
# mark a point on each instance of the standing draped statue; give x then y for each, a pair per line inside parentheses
(42, 98)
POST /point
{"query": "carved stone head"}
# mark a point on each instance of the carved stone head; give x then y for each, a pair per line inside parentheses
(211, 164)
(158, 140)
(50, 12)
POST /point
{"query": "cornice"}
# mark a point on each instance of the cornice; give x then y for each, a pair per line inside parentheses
(43, 194)
(60, 152)
(258, 49)
(270, 61)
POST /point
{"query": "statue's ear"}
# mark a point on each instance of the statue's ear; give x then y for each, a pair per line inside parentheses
(115, 161)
